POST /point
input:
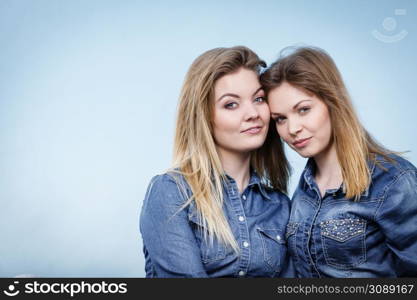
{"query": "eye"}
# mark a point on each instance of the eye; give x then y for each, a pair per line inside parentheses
(279, 120)
(230, 105)
(304, 110)
(260, 99)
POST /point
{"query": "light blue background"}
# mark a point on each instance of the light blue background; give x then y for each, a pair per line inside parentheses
(88, 95)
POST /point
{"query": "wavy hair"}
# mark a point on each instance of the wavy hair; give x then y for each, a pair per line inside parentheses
(314, 71)
(195, 155)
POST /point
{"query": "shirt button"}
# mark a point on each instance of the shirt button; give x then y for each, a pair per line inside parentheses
(278, 238)
(242, 273)
(244, 197)
(241, 219)
(245, 244)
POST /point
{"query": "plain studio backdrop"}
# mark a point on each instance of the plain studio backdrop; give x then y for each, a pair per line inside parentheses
(88, 96)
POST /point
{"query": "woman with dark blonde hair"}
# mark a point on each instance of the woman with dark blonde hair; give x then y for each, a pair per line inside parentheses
(354, 212)
(221, 210)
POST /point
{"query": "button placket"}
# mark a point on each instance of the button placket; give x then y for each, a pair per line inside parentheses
(237, 205)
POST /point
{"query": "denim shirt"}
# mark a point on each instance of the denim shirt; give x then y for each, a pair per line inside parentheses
(173, 242)
(332, 236)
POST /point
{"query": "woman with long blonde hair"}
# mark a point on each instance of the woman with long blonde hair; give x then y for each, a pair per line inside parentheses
(354, 212)
(221, 210)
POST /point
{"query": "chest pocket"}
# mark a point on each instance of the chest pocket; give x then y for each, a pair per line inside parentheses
(274, 248)
(343, 242)
(210, 251)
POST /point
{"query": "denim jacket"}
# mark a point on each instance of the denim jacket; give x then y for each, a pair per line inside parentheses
(332, 236)
(173, 241)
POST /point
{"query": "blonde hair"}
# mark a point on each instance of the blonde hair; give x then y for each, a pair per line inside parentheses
(313, 70)
(195, 154)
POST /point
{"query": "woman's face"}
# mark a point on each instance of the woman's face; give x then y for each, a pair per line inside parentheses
(302, 119)
(241, 114)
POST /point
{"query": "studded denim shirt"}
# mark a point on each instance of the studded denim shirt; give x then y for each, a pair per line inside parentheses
(332, 236)
(174, 244)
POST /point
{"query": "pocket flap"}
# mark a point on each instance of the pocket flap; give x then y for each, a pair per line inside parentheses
(274, 234)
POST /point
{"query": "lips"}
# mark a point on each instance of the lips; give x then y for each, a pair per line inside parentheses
(301, 142)
(253, 130)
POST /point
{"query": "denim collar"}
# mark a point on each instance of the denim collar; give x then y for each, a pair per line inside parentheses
(308, 174)
(310, 168)
(254, 180)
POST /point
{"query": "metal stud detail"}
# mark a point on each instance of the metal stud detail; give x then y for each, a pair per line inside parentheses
(342, 229)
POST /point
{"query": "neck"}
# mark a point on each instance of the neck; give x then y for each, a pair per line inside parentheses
(236, 165)
(329, 172)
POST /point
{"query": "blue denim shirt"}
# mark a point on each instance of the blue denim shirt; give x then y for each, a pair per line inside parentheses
(332, 236)
(173, 241)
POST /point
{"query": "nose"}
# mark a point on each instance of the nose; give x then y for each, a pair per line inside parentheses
(294, 126)
(252, 112)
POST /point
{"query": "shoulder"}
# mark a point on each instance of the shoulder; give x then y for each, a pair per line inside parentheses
(394, 176)
(395, 163)
(165, 179)
(170, 186)
(398, 189)
(391, 169)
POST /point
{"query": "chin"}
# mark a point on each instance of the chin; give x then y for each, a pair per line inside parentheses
(304, 153)
(251, 147)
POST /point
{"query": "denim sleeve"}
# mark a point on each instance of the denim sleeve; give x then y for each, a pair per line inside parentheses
(166, 231)
(397, 217)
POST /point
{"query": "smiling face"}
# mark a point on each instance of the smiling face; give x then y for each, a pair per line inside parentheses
(240, 114)
(302, 119)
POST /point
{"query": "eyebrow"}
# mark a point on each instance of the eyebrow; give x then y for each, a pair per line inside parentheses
(294, 107)
(237, 96)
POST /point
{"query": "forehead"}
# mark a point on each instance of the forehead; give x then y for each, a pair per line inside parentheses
(285, 96)
(288, 92)
(240, 81)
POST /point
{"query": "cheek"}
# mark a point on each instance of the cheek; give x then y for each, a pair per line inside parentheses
(320, 128)
(282, 132)
(324, 125)
(272, 103)
(328, 127)
(223, 123)
(265, 113)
